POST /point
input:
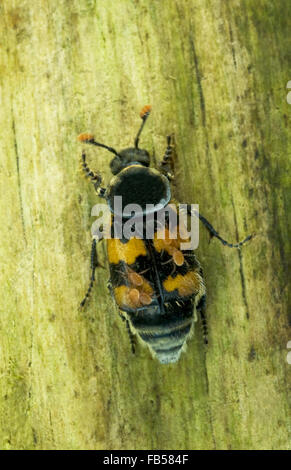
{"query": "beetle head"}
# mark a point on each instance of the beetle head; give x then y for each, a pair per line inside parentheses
(126, 157)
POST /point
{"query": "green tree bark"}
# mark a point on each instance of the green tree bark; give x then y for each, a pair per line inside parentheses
(215, 73)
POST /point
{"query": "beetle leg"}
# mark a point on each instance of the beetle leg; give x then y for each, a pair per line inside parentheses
(201, 307)
(130, 334)
(93, 265)
(213, 232)
(95, 178)
(166, 165)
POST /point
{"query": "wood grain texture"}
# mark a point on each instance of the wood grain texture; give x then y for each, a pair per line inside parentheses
(215, 73)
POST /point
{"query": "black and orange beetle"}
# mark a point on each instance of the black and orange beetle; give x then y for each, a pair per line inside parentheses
(157, 287)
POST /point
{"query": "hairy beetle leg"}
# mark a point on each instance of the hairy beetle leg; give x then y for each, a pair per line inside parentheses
(214, 233)
(93, 265)
(130, 334)
(201, 307)
(95, 178)
(166, 165)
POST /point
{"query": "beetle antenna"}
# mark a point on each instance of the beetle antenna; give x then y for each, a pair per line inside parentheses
(144, 114)
(89, 139)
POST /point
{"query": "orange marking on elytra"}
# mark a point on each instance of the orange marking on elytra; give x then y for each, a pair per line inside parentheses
(127, 252)
(187, 284)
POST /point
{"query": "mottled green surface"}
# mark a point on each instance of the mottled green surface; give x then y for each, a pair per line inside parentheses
(215, 73)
